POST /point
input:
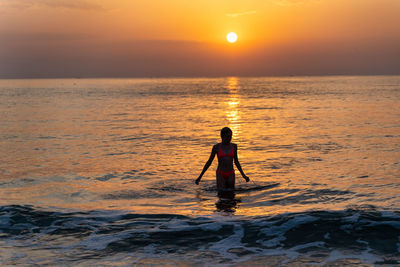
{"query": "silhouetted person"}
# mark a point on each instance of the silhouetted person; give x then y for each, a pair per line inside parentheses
(227, 153)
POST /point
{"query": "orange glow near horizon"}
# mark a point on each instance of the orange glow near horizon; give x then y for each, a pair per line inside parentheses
(117, 33)
(201, 21)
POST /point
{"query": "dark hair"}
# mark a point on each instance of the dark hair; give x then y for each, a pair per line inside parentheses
(226, 131)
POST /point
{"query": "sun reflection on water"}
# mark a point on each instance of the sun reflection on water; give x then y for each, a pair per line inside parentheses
(233, 103)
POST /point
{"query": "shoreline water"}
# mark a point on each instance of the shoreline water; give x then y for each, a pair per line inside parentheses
(101, 171)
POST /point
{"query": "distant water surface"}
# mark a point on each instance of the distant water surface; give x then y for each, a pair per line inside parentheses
(101, 171)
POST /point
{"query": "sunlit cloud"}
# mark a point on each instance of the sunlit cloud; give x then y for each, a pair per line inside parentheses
(292, 2)
(68, 4)
(10, 37)
(235, 15)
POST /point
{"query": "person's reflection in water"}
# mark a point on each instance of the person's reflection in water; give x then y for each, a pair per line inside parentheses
(227, 201)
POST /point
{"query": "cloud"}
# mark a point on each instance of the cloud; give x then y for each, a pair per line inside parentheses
(67, 4)
(235, 15)
(292, 2)
(33, 37)
(146, 58)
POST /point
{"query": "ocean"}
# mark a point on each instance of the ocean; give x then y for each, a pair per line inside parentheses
(100, 172)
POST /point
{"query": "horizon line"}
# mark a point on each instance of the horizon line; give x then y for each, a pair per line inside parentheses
(194, 77)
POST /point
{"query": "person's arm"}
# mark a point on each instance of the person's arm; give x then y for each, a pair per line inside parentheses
(207, 165)
(237, 163)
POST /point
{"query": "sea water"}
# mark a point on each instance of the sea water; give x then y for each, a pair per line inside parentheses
(101, 171)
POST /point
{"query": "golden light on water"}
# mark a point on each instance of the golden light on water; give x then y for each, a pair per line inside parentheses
(110, 163)
(232, 111)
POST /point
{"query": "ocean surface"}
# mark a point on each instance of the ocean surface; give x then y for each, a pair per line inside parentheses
(100, 172)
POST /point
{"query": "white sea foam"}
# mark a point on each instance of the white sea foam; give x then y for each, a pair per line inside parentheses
(100, 242)
(398, 244)
(291, 223)
(233, 241)
(365, 257)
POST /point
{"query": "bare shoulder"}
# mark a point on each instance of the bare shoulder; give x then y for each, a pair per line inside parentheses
(215, 147)
(234, 146)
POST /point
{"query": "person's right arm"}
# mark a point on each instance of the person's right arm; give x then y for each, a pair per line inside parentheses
(208, 163)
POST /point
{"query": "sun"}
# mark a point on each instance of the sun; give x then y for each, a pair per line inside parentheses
(231, 37)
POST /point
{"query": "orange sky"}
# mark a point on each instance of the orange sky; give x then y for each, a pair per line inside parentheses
(120, 38)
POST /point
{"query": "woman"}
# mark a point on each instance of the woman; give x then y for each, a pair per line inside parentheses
(226, 152)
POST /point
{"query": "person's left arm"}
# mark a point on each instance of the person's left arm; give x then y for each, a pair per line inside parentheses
(237, 163)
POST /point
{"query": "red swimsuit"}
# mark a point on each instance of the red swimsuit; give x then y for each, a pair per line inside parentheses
(221, 153)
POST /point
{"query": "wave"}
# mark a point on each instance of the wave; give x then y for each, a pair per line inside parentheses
(362, 234)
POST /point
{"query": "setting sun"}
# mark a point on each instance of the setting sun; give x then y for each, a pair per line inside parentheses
(231, 37)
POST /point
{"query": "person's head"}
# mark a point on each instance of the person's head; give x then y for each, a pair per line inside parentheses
(226, 135)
